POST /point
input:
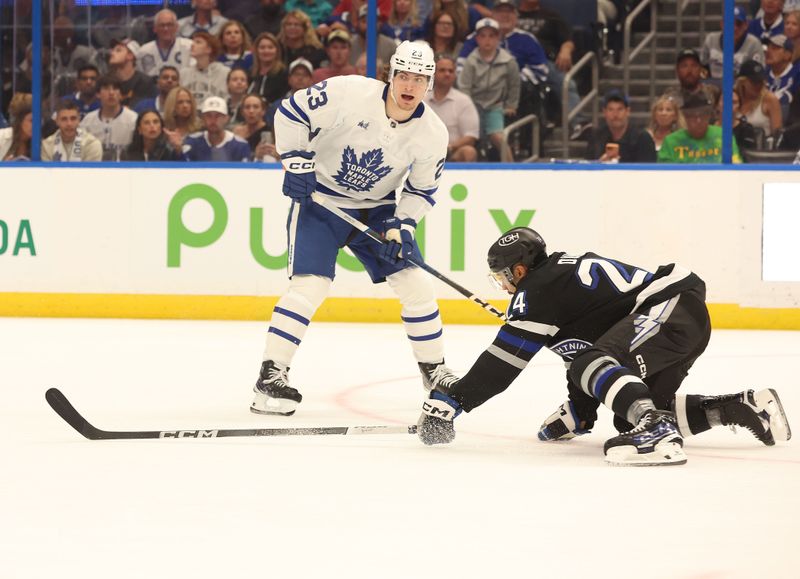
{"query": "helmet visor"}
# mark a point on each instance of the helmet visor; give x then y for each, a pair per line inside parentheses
(503, 280)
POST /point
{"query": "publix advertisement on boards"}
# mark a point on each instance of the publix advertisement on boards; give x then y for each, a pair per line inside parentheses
(223, 232)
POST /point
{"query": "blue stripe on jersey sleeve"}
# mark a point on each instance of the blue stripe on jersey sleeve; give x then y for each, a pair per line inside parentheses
(300, 111)
(287, 113)
(409, 187)
(427, 198)
(517, 342)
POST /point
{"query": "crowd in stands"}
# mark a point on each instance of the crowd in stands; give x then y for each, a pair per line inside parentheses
(203, 84)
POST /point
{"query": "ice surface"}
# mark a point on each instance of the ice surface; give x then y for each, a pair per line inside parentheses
(496, 503)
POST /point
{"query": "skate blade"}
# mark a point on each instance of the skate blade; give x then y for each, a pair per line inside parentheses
(664, 454)
(263, 404)
(778, 423)
(269, 412)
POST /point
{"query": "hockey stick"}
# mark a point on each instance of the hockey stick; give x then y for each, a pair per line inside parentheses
(422, 265)
(58, 402)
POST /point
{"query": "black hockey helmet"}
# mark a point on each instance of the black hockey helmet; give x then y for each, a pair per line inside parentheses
(519, 245)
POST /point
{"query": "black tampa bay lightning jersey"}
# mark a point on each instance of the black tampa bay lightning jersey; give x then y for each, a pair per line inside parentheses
(565, 304)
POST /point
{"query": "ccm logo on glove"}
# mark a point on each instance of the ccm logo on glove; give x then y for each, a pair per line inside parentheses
(438, 409)
(301, 167)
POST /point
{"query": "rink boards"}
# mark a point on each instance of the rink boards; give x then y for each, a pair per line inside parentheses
(210, 243)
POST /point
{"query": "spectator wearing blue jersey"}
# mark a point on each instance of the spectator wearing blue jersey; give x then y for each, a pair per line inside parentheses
(215, 143)
(783, 76)
(235, 45)
(770, 22)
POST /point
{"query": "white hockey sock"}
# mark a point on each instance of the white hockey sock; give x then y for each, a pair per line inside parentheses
(292, 315)
(420, 313)
(424, 331)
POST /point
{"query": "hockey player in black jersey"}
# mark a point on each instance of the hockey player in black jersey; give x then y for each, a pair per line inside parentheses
(628, 338)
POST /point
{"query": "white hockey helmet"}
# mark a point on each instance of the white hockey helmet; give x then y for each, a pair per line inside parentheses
(416, 57)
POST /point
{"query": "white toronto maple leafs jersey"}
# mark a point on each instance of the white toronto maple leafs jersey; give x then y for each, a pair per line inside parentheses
(363, 158)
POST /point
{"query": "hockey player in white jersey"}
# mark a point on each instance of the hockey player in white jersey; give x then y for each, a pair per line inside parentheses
(357, 141)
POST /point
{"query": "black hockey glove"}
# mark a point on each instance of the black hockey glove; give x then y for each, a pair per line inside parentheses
(300, 180)
(435, 425)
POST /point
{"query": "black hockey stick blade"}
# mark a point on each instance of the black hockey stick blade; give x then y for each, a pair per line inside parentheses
(58, 402)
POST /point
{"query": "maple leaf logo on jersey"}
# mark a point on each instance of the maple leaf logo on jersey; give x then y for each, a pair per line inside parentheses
(361, 173)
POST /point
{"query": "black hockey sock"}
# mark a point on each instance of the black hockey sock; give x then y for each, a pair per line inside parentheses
(622, 391)
(690, 415)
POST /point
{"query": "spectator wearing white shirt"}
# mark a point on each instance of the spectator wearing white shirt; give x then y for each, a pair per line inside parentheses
(456, 110)
(207, 77)
(168, 49)
(113, 123)
(69, 142)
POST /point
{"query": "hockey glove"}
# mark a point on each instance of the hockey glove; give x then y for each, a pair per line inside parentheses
(399, 239)
(300, 180)
(435, 425)
(563, 424)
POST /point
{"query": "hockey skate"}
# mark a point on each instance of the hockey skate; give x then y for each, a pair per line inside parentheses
(437, 376)
(654, 442)
(759, 412)
(273, 393)
(564, 424)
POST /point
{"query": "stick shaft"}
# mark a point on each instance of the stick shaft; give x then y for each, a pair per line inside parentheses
(422, 265)
(59, 403)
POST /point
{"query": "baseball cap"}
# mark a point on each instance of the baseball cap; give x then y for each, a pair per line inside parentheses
(783, 41)
(338, 34)
(615, 95)
(128, 43)
(752, 69)
(301, 62)
(696, 102)
(688, 53)
(362, 11)
(487, 23)
(503, 3)
(214, 104)
(739, 14)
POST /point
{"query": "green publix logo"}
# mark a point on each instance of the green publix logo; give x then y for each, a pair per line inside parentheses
(15, 238)
(180, 236)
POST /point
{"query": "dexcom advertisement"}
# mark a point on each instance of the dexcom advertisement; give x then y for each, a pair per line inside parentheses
(222, 232)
